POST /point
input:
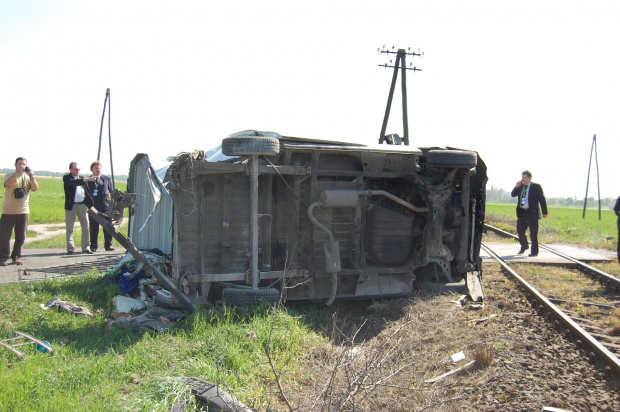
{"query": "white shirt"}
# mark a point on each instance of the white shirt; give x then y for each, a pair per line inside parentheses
(80, 195)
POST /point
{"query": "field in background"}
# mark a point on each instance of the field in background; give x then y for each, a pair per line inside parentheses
(563, 225)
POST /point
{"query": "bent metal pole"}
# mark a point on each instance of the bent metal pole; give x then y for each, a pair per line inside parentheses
(139, 256)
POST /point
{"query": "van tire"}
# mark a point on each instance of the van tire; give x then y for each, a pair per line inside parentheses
(247, 146)
(452, 158)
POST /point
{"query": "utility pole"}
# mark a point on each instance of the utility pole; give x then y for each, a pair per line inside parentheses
(401, 54)
(585, 200)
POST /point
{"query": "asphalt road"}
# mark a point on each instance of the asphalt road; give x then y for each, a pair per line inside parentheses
(55, 258)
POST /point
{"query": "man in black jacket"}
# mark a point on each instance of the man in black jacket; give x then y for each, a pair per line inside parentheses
(617, 210)
(77, 200)
(530, 195)
(100, 191)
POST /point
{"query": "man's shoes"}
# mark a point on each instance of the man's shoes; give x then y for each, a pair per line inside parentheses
(17, 261)
(110, 249)
(521, 251)
(93, 249)
(87, 251)
(3, 263)
(533, 254)
(69, 252)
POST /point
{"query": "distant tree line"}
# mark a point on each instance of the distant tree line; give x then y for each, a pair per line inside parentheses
(5, 171)
(496, 194)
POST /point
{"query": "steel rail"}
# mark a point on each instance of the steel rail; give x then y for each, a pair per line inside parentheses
(610, 279)
(606, 356)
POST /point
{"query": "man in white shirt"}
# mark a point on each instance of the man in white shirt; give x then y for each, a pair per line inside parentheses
(76, 203)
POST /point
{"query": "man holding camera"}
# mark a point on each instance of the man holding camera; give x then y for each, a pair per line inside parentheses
(77, 200)
(15, 211)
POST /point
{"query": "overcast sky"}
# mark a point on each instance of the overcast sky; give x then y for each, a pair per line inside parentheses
(526, 84)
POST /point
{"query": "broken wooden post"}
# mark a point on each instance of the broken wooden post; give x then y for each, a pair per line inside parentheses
(139, 256)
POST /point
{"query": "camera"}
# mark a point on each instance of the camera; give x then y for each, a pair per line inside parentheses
(19, 192)
(27, 169)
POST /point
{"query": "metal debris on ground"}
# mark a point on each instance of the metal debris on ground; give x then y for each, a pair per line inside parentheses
(154, 318)
(136, 281)
(213, 397)
(21, 339)
(56, 303)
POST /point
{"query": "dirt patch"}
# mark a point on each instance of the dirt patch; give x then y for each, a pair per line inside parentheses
(521, 363)
(45, 231)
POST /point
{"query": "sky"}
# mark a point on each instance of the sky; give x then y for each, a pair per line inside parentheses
(525, 84)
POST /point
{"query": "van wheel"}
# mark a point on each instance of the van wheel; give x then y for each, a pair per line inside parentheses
(247, 146)
(452, 158)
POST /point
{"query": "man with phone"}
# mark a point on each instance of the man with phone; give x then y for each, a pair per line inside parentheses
(15, 211)
(530, 195)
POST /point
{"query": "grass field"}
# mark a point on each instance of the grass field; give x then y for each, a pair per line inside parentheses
(130, 369)
(563, 225)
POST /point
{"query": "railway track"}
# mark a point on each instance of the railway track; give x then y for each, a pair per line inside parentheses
(593, 339)
(610, 281)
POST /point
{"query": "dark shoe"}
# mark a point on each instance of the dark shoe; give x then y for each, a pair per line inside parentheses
(69, 252)
(110, 249)
(87, 251)
(533, 254)
(93, 249)
(3, 263)
(521, 251)
(17, 261)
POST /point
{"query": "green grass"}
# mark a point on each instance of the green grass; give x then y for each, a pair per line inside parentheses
(563, 225)
(133, 369)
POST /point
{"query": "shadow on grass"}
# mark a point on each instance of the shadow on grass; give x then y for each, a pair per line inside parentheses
(351, 322)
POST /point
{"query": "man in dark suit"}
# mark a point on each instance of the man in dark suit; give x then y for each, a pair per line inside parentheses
(77, 200)
(530, 195)
(100, 191)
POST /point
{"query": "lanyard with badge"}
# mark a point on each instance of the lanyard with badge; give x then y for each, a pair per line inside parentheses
(96, 186)
(524, 196)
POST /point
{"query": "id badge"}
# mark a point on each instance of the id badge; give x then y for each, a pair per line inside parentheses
(95, 192)
(522, 201)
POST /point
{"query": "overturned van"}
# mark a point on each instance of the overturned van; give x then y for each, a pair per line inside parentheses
(272, 217)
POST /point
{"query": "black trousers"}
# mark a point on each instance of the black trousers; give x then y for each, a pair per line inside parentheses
(94, 234)
(523, 223)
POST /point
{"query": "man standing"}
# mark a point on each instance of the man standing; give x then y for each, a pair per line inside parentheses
(76, 203)
(530, 195)
(617, 210)
(100, 190)
(16, 210)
